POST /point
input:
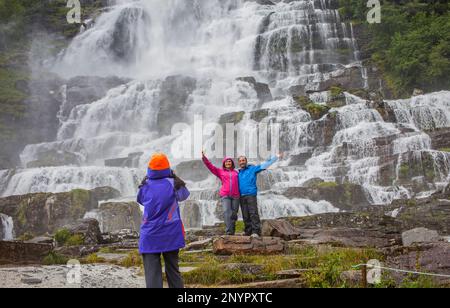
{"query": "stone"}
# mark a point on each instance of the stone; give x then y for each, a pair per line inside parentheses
(174, 98)
(262, 90)
(280, 228)
(244, 268)
(41, 240)
(55, 158)
(116, 216)
(23, 253)
(199, 245)
(193, 170)
(105, 193)
(77, 251)
(88, 229)
(429, 257)
(419, 236)
(31, 280)
(346, 196)
(228, 245)
(131, 161)
(191, 215)
(45, 213)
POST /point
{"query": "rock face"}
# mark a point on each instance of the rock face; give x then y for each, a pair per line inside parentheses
(45, 213)
(116, 216)
(194, 171)
(280, 228)
(16, 252)
(131, 161)
(262, 90)
(419, 236)
(343, 196)
(431, 258)
(175, 92)
(228, 245)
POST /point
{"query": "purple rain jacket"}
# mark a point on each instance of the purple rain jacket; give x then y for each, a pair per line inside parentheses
(162, 229)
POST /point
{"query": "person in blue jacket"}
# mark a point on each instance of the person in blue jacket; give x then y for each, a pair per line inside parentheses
(248, 189)
(162, 231)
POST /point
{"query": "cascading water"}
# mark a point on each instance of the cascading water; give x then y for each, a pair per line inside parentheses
(7, 225)
(185, 58)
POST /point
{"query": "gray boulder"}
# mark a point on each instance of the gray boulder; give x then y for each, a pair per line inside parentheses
(419, 236)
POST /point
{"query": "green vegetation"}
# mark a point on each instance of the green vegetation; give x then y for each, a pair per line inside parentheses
(327, 185)
(411, 45)
(445, 150)
(55, 259)
(93, 259)
(25, 237)
(133, 259)
(63, 237)
(316, 111)
(80, 200)
(323, 266)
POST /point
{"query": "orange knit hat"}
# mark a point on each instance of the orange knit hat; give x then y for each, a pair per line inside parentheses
(159, 162)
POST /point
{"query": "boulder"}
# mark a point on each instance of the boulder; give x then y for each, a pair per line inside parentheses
(347, 237)
(193, 170)
(191, 215)
(228, 245)
(54, 158)
(199, 245)
(419, 236)
(88, 229)
(280, 228)
(45, 213)
(23, 253)
(346, 196)
(77, 251)
(116, 216)
(440, 138)
(105, 193)
(41, 240)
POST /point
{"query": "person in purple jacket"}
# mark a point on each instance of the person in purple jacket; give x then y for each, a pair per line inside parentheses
(162, 231)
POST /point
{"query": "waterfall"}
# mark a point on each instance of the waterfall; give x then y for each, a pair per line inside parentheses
(8, 227)
(182, 59)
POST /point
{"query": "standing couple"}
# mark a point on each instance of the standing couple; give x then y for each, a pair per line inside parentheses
(239, 188)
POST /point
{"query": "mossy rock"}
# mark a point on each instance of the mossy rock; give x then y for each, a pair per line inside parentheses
(317, 111)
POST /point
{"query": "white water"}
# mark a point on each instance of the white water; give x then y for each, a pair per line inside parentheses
(216, 41)
(8, 227)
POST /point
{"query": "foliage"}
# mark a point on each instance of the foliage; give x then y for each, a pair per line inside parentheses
(411, 44)
(55, 259)
(133, 259)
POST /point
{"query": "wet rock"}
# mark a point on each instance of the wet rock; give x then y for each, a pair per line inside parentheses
(440, 138)
(88, 229)
(231, 118)
(228, 245)
(193, 170)
(116, 216)
(280, 228)
(83, 90)
(174, 98)
(419, 236)
(46, 213)
(191, 215)
(343, 196)
(23, 253)
(131, 161)
(55, 158)
(105, 193)
(262, 90)
(31, 280)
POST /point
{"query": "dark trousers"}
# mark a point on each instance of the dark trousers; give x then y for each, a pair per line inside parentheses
(153, 270)
(230, 212)
(250, 214)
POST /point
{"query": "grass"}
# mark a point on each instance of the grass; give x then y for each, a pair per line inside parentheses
(325, 264)
(445, 150)
(55, 259)
(93, 259)
(327, 185)
(133, 259)
(63, 237)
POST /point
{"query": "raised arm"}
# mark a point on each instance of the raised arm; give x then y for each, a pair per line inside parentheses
(267, 164)
(214, 170)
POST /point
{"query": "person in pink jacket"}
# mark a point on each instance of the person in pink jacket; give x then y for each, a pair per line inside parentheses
(229, 192)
